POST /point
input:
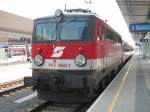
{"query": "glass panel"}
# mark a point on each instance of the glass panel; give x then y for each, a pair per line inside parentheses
(73, 30)
(45, 31)
(70, 29)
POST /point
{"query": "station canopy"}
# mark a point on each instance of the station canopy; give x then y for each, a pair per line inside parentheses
(14, 23)
(136, 14)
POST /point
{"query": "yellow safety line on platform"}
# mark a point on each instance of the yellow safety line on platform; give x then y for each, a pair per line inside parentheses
(115, 98)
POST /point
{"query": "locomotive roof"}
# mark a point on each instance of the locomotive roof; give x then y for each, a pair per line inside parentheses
(69, 15)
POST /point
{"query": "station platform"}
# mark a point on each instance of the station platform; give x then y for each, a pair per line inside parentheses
(129, 91)
(14, 71)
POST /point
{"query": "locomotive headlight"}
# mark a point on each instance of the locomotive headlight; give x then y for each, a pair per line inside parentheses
(80, 60)
(38, 60)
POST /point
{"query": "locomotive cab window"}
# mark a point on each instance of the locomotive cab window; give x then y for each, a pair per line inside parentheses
(69, 29)
(74, 31)
(45, 31)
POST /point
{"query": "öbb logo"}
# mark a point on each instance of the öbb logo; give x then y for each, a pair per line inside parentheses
(58, 51)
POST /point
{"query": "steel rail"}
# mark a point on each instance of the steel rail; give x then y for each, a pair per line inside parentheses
(7, 87)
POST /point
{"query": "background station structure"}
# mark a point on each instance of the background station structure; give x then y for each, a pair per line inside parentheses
(15, 31)
(137, 16)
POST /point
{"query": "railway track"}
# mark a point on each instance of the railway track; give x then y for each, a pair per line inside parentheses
(8, 87)
(46, 106)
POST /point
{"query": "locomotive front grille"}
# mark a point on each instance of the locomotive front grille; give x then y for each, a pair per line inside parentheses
(64, 81)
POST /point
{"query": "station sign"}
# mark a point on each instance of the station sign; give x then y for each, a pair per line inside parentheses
(138, 44)
(19, 40)
(144, 40)
(140, 27)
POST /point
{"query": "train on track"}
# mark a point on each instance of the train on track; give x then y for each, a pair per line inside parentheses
(74, 55)
(13, 53)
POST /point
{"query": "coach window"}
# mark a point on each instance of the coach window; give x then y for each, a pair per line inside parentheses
(103, 33)
(103, 36)
(119, 40)
(109, 35)
(115, 37)
(106, 32)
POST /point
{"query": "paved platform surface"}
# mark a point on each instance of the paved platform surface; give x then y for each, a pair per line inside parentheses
(14, 71)
(129, 91)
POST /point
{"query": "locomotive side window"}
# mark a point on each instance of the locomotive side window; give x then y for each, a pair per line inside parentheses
(100, 32)
(108, 34)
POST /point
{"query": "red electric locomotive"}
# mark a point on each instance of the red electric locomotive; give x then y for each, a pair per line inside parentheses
(73, 56)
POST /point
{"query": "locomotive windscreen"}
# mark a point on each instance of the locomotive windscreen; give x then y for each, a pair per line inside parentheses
(69, 29)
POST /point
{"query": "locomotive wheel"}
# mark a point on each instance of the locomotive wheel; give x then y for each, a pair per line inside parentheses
(113, 74)
(104, 83)
(98, 89)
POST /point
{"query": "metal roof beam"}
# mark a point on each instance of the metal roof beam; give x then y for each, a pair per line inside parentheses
(134, 2)
(129, 9)
(136, 14)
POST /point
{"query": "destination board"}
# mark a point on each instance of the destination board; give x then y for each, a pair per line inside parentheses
(140, 27)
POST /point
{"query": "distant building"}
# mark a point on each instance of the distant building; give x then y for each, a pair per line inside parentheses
(14, 29)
